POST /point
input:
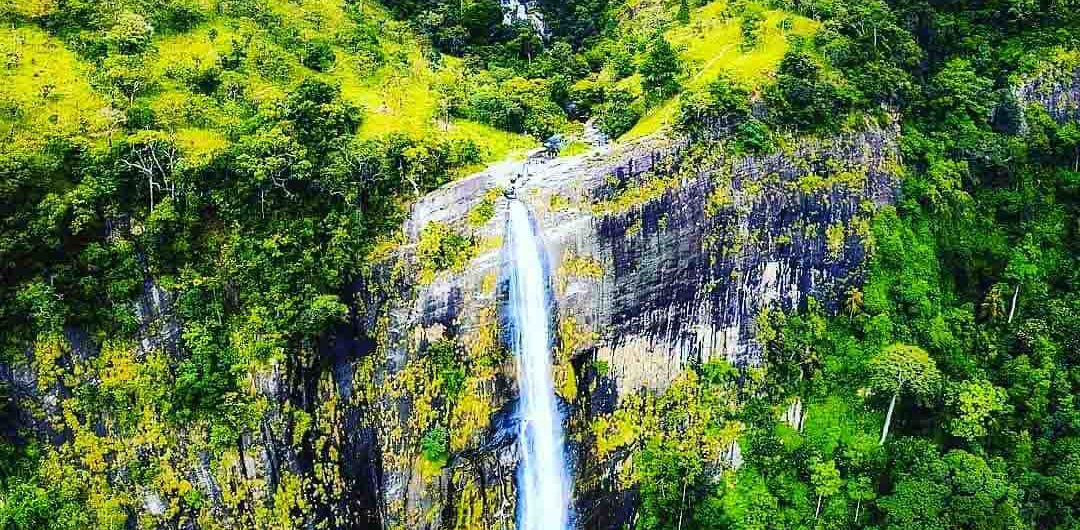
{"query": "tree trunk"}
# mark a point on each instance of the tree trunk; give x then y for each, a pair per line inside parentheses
(858, 504)
(817, 511)
(888, 419)
(1012, 306)
(682, 503)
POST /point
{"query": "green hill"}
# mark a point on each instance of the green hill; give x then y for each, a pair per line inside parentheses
(184, 76)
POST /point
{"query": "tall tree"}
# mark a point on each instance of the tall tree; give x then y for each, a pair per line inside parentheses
(660, 69)
(826, 481)
(902, 368)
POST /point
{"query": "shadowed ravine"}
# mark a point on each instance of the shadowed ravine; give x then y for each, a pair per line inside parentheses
(543, 478)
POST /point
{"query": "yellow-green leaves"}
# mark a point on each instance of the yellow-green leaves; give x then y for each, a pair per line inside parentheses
(974, 405)
(902, 368)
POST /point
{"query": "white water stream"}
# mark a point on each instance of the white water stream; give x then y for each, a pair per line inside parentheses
(543, 475)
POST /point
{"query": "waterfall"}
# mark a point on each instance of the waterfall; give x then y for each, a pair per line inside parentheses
(543, 476)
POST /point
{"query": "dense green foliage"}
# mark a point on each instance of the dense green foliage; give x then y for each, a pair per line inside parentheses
(252, 182)
(967, 322)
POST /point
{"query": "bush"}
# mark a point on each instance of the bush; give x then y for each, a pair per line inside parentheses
(585, 95)
(449, 369)
(125, 76)
(722, 104)
(754, 136)
(131, 34)
(803, 98)
(318, 55)
(750, 27)
(140, 116)
(442, 248)
(435, 445)
(180, 15)
(619, 112)
(517, 105)
(206, 80)
(660, 69)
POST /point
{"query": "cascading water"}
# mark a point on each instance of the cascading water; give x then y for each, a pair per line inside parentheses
(543, 476)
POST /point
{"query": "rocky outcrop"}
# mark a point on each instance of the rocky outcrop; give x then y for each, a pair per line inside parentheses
(663, 255)
(523, 11)
(1057, 90)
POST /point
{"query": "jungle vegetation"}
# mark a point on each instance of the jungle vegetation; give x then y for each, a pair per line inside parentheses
(252, 157)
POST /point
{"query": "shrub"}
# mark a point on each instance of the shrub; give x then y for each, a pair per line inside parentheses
(449, 369)
(516, 105)
(754, 136)
(750, 27)
(131, 34)
(435, 445)
(619, 112)
(441, 248)
(803, 97)
(722, 104)
(660, 69)
(318, 55)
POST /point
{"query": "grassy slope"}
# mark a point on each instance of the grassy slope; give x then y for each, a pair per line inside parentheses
(710, 45)
(399, 96)
(46, 88)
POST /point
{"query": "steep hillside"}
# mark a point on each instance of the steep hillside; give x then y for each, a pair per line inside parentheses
(193, 78)
(722, 40)
(187, 187)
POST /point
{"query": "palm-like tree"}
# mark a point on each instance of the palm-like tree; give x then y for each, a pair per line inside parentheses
(993, 304)
(853, 302)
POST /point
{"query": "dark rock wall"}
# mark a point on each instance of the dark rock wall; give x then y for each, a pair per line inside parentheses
(1057, 90)
(672, 263)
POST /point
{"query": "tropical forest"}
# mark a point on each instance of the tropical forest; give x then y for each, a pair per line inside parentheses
(539, 264)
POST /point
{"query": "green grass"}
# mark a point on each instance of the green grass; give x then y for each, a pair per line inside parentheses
(711, 45)
(574, 148)
(400, 96)
(495, 144)
(44, 91)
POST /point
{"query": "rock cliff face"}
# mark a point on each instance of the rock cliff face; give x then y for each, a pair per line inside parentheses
(663, 256)
(1057, 90)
